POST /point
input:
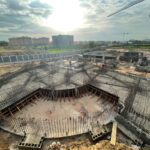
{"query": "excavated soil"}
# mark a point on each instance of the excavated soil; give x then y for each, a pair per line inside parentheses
(131, 70)
(8, 141)
(8, 69)
(106, 145)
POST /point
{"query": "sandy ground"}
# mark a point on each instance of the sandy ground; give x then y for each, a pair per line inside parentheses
(131, 70)
(8, 141)
(102, 145)
(6, 52)
(82, 143)
(8, 68)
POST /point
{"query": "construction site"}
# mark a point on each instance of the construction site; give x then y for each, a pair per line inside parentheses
(74, 101)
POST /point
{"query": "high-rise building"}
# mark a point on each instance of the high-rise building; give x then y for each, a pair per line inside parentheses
(62, 41)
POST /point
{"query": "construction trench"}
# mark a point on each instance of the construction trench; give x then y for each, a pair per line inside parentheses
(62, 126)
(51, 113)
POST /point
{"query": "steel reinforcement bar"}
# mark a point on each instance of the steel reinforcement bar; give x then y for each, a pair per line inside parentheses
(9, 110)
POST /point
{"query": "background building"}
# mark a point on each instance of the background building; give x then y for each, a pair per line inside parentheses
(20, 41)
(40, 41)
(62, 41)
(28, 41)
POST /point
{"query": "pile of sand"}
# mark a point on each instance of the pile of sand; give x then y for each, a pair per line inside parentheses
(8, 141)
(102, 145)
(106, 145)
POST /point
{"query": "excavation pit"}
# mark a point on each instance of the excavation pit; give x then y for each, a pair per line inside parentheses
(61, 113)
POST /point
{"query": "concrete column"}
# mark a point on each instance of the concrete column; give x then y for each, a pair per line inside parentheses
(9, 59)
(16, 58)
(103, 59)
(22, 57)
(28, 58)
(38, 56)
(2, 59)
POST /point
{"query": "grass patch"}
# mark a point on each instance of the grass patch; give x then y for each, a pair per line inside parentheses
(135, 47)
(2, 49)
(56, 51)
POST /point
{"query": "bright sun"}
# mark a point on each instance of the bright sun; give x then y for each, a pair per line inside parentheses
(66, 15)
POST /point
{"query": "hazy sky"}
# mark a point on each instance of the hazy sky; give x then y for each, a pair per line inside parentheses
(85, 19)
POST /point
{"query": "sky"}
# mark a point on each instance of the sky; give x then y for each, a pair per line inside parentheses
(85, 19)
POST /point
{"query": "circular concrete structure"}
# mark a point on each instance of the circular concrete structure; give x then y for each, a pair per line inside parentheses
(60, 113)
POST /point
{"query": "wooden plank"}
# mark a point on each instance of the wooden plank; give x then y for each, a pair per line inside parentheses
(3, 116)
(11, 113)
(18, 108)
(114, 133)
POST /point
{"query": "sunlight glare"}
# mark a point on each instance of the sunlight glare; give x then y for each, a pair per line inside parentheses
(66, 16)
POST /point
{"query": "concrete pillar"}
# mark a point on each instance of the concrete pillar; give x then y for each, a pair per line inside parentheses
(22, 57)
(28, 58)
(9, 59)
(2, 59)
(16, 59)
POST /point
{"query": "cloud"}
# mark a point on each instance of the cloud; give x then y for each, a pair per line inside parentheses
(14, 5)
(14, 14)
(131, 4)
(23, 17)
(40, 9)
(134, 20)
(38, 4)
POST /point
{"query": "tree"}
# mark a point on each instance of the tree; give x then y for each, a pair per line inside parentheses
(91, 44)
(3, 43)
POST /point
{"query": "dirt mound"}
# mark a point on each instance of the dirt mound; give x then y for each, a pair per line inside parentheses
(102, 145)
(106, 145)
(8, 141)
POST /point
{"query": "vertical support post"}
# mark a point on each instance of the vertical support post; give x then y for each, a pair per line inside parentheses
(2, 59)
(114, 133)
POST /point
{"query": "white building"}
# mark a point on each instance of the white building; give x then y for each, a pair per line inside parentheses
(20, 41)
(28, 41)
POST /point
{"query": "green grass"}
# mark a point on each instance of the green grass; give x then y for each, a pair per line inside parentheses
(56, 51)
(136, 48)
(2, 49)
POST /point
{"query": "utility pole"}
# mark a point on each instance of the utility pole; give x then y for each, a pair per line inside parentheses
(124, 35)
